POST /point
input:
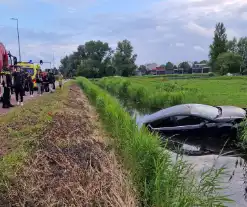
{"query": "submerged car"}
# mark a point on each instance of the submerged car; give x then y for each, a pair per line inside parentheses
(197, 120)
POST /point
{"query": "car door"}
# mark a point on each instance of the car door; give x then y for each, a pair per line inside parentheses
(164, 125)
(189, 125)
(177, 125)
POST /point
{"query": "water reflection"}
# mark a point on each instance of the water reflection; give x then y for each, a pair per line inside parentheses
(203, 154)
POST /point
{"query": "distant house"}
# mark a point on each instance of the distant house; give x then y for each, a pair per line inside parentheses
(169, 71)
(200, 68)
(158, 71)
(181, 71)
(138, 73)
(150, 66)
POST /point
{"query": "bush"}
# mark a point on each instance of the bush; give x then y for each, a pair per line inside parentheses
(163, 96)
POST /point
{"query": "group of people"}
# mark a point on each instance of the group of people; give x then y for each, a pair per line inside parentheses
(18, 81)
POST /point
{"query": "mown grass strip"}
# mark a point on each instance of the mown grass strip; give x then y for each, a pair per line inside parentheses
(159, 181)
(20, 130)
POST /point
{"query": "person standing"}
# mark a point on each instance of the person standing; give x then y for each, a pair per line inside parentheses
(50, 80)
(60, 79)
(46, 83)
(19, 81)
(25, 74)
(39, 81)
(53, 81)
(12, 69)
(7, 83)
(30, 84)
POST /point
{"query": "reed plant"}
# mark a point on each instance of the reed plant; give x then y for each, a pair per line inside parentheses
(158, 180)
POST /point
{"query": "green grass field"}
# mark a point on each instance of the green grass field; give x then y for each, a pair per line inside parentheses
(213, 91)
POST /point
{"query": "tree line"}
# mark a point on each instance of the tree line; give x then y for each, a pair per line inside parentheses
(96, 59)
(227, 56)
(170, 66)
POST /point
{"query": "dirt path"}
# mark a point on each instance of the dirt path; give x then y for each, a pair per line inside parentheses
(73, 165)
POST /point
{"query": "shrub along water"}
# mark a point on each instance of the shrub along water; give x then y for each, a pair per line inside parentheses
(159, 181)
(155, 98)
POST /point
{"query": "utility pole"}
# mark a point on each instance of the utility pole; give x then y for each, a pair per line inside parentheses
(53, 60)
(18, 35)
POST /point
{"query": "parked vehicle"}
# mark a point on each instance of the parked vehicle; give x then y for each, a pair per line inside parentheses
(197, 120)
(31, 68)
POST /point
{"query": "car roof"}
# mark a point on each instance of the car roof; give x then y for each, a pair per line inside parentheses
(182, 109)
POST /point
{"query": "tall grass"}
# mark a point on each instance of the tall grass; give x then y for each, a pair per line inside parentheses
(159, 181)
(142, 96)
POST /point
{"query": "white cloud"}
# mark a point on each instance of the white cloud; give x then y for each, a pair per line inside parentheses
(244, 15)
(198, 48)
(197, 29)
(71, 10)
(232, 33)
(174, 24)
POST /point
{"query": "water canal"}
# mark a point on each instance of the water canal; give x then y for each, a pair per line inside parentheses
(203, 154)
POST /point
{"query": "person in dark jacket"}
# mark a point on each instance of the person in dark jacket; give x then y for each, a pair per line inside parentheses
(30, 84)
(45, 82)
(51, 79)
(12, 83)
(26, 87)
(7, 83)
(19, 81)
(39, 81)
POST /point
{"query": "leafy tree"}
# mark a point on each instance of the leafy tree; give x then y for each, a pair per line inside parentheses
(242, 50)
(239, 47)
(175, 67)
(68, 66)
(184, 65)
(169, 66)
(95, 59)
(124, 59)
(204, 62)
(232, 45)
(219, 44)
(228, 62)
(143, 69)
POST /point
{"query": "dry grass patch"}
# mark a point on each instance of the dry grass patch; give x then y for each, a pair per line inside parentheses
(72, 165)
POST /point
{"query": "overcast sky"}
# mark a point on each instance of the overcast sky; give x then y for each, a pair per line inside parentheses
(160, 31)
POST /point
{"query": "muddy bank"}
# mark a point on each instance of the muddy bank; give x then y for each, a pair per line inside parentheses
(72, 165)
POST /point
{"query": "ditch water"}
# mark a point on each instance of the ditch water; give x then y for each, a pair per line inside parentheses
(203, 155)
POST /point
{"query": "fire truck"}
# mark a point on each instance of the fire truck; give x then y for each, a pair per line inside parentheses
(6, 59)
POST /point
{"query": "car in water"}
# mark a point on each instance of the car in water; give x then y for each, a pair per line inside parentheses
(196, 120)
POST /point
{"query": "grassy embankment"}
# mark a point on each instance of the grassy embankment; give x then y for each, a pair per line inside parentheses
(159, 181)
(53, 153)
(20, 129)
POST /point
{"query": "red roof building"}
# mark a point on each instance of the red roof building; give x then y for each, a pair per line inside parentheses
(158, 71)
